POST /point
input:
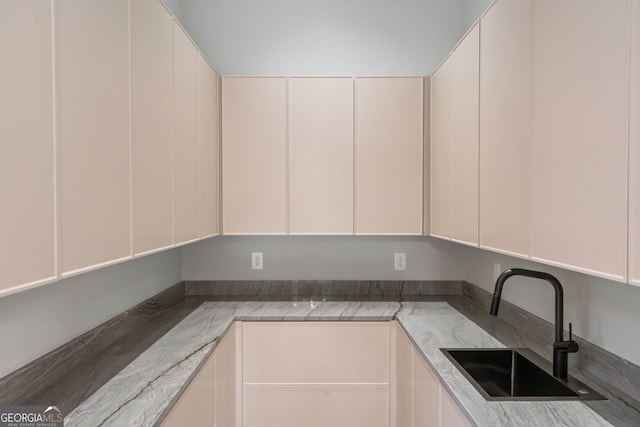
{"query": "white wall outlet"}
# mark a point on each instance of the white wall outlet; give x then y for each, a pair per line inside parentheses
(256, 260)
(496, 270)
(399, 261)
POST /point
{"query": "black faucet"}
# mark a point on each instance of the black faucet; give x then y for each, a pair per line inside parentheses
(561, 348)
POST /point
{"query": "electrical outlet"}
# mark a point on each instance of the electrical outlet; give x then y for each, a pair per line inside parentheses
(399, 261)
(256, 260)
(496, 270)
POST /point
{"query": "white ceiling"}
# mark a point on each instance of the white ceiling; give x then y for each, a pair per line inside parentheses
(326, 37)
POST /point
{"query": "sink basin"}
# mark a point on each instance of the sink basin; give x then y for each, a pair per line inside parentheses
(510, 374)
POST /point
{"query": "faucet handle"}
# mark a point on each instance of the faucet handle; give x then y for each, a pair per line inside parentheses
(572, 346)
(570, 333)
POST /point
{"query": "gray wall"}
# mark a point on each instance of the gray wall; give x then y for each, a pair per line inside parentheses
(36, 321)
(603, 312)
(328, 37)
(321, 258)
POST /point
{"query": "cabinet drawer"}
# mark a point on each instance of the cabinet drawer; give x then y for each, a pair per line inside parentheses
(316, 352)
(316, 406)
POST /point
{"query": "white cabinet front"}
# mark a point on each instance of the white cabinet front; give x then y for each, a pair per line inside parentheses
(254, 155)
(389, 143)
(27, 218)
(152, 125)
(581, 135)
(505, 127)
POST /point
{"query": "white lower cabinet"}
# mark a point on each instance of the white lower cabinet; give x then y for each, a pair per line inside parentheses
(450, 413)
(308, 405)
(316, 374)
(418, 397)
(425, 389)
(196, 406)
(213, 397)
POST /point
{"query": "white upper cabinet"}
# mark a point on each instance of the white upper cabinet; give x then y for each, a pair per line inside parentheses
(152, 125)
(505, 127)
(27, 217)
(93, 133)
(186, 144)
(254, 155)
(634, 153)
(320, 155)
(454, 143)
(464, 138)
(426, 160)
(581, 135)
(209, 151)
(389, 144)
(441, 126)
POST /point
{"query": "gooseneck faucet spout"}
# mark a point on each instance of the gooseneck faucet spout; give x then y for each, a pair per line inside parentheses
(561, 348)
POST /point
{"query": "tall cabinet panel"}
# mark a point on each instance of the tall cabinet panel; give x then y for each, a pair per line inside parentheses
(254, 159)
(505, 127)
(227, 394)
(152, 125)
(454, 143)
(580, 127)
(634, 153)
(464, 138)
(27, 217)
(441, 124)
(426, 161)
(388, 156)
(321, 155)
(209, 151)
(93, 132)
(186, 179)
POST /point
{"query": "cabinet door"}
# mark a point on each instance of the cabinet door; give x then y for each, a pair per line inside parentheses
(426, 160)
(152, 125)
(322, 374)
(196, 406)
(316, 352)
(209, 151)
(505, 127)
(228, 378)
(320, 156)
(464, 138)
(441, 124)
(580, 128)
(93, 132)
(388, 156)
(254, 159)
(27, 217)
(186, 70)
(401, 402)
(450, 413)
(634, 153)
(426, 394)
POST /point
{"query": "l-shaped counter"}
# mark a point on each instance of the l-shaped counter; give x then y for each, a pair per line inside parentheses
(142, 393)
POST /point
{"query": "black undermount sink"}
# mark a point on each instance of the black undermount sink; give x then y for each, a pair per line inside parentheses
(510, 374)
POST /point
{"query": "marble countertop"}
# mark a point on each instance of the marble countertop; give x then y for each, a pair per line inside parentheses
(140, 393)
